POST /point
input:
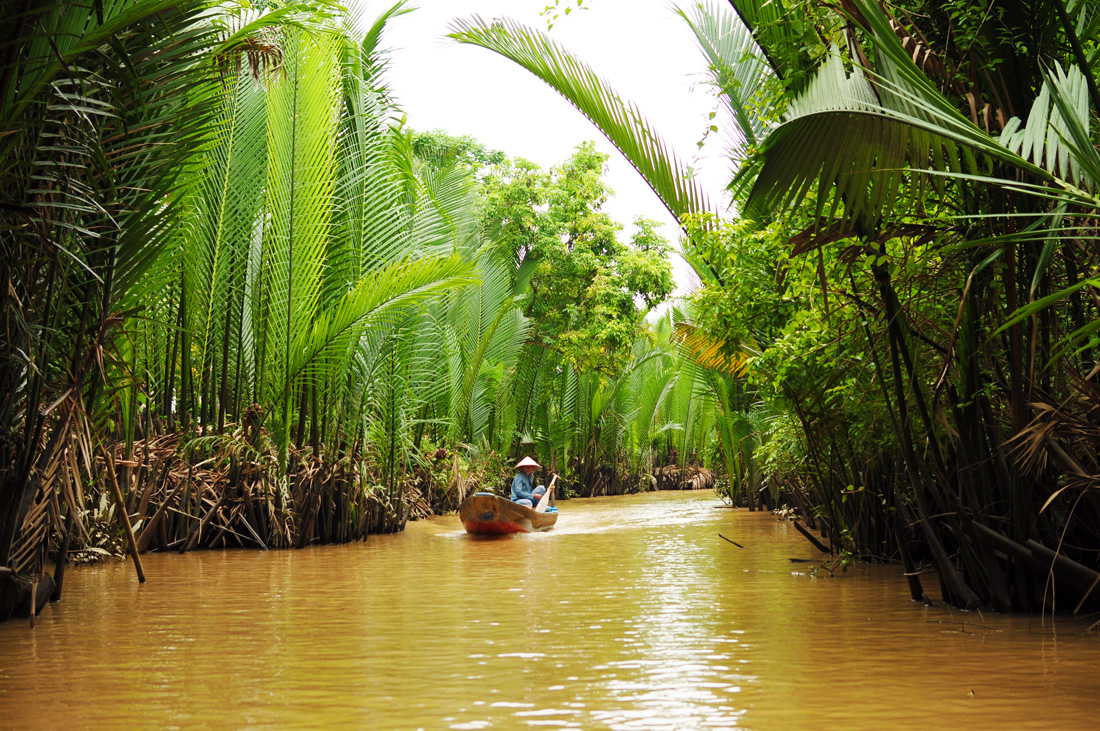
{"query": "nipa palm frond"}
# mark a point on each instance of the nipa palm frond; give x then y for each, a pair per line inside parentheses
(621, 122)
(1057, 132)
(737, 69)
(708, 352)
(855, 136)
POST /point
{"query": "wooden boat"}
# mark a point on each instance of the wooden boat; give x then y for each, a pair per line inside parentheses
(486, 514)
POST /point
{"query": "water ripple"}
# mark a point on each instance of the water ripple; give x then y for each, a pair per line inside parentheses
(630, 614)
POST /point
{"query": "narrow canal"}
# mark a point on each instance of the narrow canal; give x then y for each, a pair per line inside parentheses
(631, 614)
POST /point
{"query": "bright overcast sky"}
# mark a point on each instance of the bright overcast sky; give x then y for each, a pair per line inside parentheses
(646, 52)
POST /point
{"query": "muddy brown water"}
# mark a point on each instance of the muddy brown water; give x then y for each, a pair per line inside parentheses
(631, 614)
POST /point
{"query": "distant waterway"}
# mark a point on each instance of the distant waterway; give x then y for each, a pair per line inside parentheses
(631, 614)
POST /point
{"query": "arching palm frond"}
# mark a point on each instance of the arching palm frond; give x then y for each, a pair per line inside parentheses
(369, 229)
(445, 218)
(377, 296)
(737, 69)
(300, 182)
(621, 122)
(372, 57)
(854, 136)
(223, 210)
(477, 317)
(1057, 133)
(708, 352)
(652, 390)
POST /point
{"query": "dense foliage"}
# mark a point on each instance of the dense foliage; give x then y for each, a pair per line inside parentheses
(246, 306)
(945, 215)
(583, 281)
(910, 281)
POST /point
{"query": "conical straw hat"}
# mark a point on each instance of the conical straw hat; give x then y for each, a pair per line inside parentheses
(527, 462)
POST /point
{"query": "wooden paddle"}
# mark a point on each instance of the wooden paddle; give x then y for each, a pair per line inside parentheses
(544, 501)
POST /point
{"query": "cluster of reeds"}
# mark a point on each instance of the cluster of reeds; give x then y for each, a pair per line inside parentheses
(220, 492)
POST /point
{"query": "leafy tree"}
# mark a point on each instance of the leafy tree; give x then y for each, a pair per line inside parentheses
(588, 290)
(443, 150)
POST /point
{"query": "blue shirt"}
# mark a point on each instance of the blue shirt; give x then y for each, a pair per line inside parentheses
(522, 488)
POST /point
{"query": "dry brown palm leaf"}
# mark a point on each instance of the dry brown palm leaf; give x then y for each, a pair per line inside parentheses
(1088, 390)
(710, 352)
(949, 79)
(1057, 438)
(825, 232)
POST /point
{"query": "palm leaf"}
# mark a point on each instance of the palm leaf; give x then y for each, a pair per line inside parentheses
(736, 68)
(621, 122)
(708, 352)
(377, 296)
(299, 201)
(783, 30)
(853, 137)
(226, 207)
(1057, 133)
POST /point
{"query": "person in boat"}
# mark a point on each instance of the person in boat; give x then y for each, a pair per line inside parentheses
(523, 491)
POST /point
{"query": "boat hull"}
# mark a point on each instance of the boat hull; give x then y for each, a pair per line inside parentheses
(490, 515)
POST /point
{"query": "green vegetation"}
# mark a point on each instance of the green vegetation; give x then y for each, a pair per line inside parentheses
(583, 282)
(245, 305)
(910, 283)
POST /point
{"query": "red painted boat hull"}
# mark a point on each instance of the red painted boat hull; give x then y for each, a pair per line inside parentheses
(490, 515)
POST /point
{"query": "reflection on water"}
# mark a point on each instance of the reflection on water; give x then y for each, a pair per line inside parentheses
(631, 614)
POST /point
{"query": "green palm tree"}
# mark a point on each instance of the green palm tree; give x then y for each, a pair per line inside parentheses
(94, 158)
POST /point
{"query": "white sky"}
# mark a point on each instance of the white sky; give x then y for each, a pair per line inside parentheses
(646, 52)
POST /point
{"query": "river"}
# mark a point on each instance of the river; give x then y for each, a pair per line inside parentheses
(631, 614)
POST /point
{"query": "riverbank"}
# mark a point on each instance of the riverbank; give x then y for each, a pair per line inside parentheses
(225, 491)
